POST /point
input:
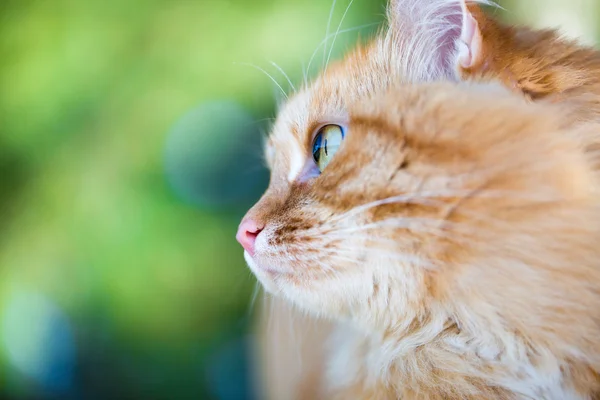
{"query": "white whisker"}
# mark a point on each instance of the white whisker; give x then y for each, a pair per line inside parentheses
(270, 318)
(454, 236)
(324, 41)
(284, 74)
(327, 31)
(433, 199)
(305, 74)
(337, 32)
(412, 198)
(255, 292)
(411, 223)
(268, 75)
(352, 253)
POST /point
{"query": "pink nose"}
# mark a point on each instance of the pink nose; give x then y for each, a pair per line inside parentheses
(247, 234)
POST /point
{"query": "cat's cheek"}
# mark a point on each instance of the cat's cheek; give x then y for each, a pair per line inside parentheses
(263, 276)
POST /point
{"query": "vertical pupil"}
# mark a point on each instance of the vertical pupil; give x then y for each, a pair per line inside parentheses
(317, 148)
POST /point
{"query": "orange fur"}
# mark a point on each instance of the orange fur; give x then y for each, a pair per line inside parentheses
(539, 64)
(485, 283)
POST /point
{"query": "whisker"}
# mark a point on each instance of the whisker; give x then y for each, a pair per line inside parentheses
(260, 121)
(327, 31)
(284, 74)
(324, 41)
(255, 293)
(267, 74)
(337, 32)
(305, 258)
(429, 198)
(411, 198)
(399, 222)
(271, 312)
(304, 74)
(327, 251)
(338, 253)
(457, 237)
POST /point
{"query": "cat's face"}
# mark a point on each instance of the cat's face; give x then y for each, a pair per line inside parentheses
(417, 184)
(408, 190)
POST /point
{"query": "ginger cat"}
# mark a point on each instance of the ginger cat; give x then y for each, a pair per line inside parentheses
(425, 41)
(458, 251)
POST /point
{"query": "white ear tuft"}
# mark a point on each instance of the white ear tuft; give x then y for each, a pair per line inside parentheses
(434, 38)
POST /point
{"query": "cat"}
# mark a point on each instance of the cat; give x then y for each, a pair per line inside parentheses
(459, 247)
(425, 41)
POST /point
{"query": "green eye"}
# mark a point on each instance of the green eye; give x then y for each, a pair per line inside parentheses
(326, 143)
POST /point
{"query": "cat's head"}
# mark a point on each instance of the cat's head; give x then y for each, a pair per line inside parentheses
(330, 242)
(418, 194)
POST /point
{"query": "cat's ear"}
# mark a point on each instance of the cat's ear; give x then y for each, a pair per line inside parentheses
(470, 44)
(439, 36)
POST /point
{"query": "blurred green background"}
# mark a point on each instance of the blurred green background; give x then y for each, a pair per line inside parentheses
(130, 141)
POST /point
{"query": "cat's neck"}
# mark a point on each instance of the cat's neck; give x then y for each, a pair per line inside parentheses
(435, 359)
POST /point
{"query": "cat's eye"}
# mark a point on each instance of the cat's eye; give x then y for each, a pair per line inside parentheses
(327, 141)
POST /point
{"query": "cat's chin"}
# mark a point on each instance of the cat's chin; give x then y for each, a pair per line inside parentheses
(264, 275)
(275, 282)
